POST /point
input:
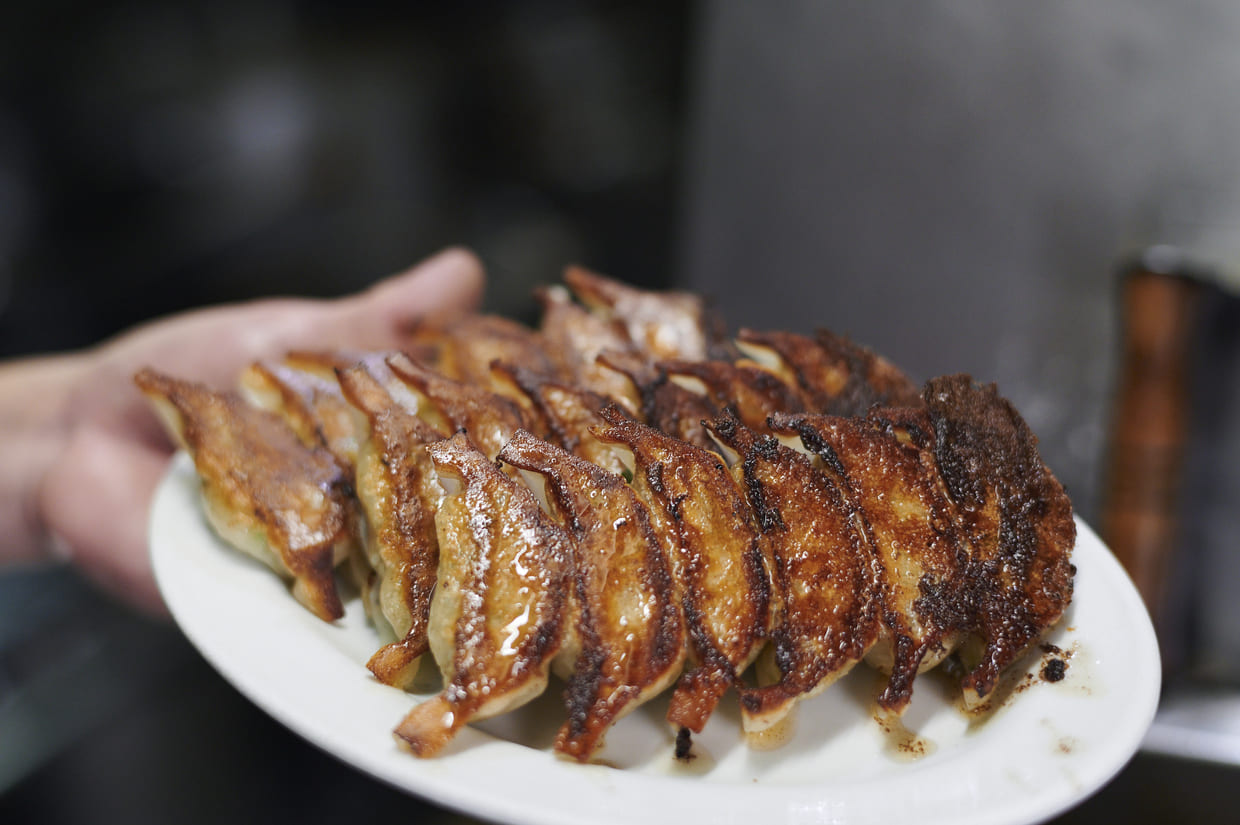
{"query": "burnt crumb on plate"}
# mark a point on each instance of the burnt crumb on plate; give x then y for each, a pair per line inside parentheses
(1053, 670)
(1055, 666)
(684, 745)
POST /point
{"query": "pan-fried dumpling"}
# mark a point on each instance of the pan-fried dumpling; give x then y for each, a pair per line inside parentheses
(630, 640)
(501, 606)
(265, 492)
(399, 492)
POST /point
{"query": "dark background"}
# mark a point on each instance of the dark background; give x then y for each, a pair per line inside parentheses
(158, 156)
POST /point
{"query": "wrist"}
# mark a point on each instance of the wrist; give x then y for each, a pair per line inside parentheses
(35, 424)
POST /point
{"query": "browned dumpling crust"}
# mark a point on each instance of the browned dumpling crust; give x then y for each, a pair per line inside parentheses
(825, 572)
(500, 608)
(464, 347)
(264, 490)
(908, 520)
(1015, 517)
(722, 571)
(664, 404)
(630, 638)
(871, 379)
(751, 392)
(399, 492)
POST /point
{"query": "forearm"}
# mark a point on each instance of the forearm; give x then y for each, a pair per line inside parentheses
(34, 428)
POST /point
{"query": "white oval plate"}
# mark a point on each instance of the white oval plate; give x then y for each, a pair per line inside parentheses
(1048, 746)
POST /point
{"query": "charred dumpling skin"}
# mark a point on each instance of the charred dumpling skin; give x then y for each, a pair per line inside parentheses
(800, 362)
(399, 492)
(721, 570)
(264, 490)
(871, 381)
(908, 520)
(1014, 515)
(630, 635)
(825, 574)
(501, 604)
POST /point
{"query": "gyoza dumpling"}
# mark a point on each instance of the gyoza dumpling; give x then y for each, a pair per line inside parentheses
(834, 375)
(464, 347)
(577, 337)
(265, 492)
(720, 561)
(1015, 518)
(909, 522)
(752, 392)
(630, 633)
(824, 577)
(665, 405)
(501, 606)
(399, 491)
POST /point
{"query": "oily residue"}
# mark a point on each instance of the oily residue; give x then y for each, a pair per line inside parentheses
(1051, 668)
(902, 743)
(773, 737)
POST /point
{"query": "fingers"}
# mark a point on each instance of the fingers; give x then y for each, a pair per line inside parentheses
(94, 499)
(214, 345)
(450, 282)
(94, 502)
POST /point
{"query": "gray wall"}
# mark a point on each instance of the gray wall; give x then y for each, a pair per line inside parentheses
(954, 184)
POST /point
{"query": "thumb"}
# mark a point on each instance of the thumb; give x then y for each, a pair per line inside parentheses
(450, 282)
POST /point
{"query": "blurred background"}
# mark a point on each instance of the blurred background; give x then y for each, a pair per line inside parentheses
(962, 188)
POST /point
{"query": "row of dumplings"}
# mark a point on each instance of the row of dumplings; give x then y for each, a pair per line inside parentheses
(630, 499)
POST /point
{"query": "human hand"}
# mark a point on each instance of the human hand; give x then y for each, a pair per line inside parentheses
(89, 450)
